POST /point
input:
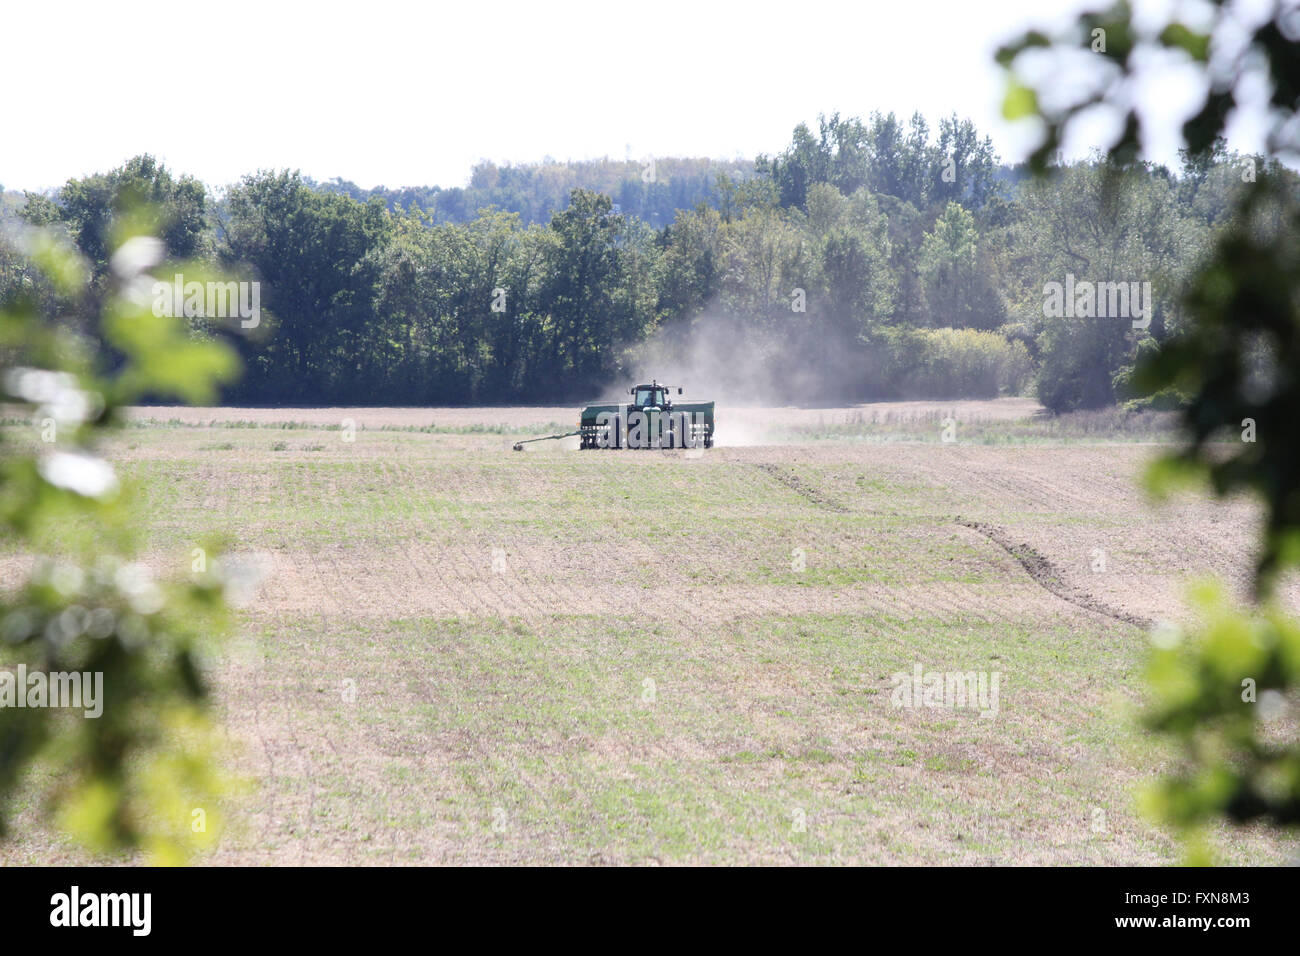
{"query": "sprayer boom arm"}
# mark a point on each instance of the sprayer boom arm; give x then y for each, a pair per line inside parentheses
(519, 445)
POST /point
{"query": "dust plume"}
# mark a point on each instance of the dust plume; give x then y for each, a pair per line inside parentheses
(745, 368)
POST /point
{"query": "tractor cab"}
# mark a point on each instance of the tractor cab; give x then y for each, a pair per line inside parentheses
(653, 395)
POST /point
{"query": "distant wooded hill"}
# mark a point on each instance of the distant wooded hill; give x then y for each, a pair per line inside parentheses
(652, 190)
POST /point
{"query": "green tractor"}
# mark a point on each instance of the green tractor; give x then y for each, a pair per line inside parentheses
(651, 420)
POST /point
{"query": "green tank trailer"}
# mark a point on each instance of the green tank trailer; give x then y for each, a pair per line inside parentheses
(651, 420)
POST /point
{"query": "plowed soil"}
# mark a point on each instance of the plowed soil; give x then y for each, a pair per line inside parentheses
(622, 657)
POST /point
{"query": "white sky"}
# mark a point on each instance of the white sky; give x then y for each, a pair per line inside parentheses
(407, 94)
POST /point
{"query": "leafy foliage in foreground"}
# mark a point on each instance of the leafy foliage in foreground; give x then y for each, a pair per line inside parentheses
(139, 774)
(1228, 695)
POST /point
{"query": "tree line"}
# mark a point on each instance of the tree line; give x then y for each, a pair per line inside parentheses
(652, 188)
(868, 259)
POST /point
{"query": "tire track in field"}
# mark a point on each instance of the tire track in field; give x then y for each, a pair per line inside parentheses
(1044, 573)
(1036, 565)
(796, 484)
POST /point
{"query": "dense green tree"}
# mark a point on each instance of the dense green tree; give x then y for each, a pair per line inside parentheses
(94, 207)
(967, 164)
(688, 269)
(1096, 223)
(595, 294)
(763, 254)
(311, 251)
(957, 288)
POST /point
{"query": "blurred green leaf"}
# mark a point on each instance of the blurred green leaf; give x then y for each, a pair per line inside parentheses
(1019, 101)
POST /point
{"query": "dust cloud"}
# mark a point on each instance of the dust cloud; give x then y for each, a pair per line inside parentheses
(747, 369)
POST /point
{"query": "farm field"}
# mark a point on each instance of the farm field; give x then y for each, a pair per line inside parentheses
(460, 654)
